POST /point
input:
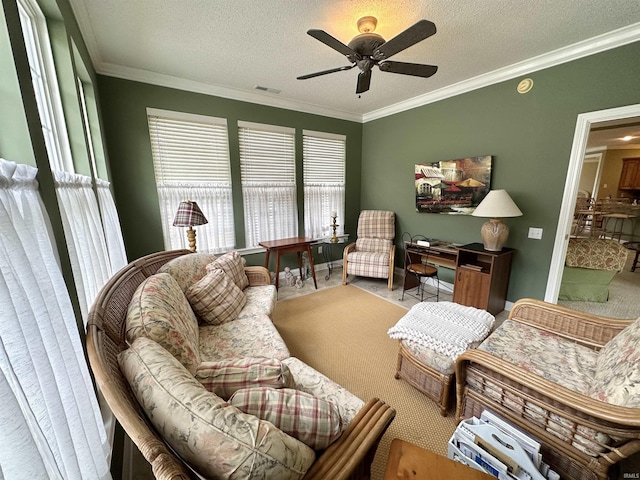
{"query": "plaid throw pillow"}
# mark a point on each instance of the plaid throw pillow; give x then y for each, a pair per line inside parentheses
(225, 377)
(311, 420)
(215, 298)
(231, 263)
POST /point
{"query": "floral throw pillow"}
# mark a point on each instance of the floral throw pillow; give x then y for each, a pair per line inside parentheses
(159, 310)
(617, 377)
(188, 269)
(232, 264)
(225, 377)
(313, 421)
(215, 298)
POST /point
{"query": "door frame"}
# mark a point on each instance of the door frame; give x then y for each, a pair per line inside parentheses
(578, 150)
(597, 159)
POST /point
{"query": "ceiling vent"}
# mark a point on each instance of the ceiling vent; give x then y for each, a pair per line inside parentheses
(266, 89)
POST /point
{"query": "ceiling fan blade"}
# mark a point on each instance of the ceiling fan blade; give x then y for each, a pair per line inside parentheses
(412, 35)
(324, 72)
(334, 43)
(415, 69)
(364, 80)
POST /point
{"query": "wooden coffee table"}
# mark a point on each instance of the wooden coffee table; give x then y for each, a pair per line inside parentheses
(410, 462)
(290, 245)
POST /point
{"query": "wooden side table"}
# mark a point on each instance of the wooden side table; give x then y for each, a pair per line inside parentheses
(410, 462)
(290, 245)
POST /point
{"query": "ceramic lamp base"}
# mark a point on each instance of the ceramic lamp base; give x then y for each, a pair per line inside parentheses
(191, 238)
(494, 234)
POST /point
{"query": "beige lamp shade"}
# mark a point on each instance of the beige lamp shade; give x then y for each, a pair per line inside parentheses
(189, 215)
(497, 204)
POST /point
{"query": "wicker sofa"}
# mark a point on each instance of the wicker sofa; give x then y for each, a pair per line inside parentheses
(152, 381)
(569, 378)
(590, 265)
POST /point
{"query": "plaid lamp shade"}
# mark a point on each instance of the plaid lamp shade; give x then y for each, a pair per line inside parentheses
(189, 215)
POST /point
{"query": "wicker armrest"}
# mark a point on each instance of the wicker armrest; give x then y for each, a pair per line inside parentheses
(257, 276)
(585, 328)
(351, 455)
(562, 396)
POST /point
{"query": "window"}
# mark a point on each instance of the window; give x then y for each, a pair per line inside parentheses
(324, 181)
(191, 162)
(268, 172)
(43, 76)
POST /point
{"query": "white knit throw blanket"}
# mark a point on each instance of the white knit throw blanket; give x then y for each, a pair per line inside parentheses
(446, 327)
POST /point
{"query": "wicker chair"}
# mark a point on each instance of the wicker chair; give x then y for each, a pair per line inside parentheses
(373, 253)
(581, 437)
(349, 457)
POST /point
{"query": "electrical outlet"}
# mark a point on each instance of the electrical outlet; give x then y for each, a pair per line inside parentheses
(320, 249)
(535, 233)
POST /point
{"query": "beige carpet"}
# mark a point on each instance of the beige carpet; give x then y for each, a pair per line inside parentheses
(342, 332)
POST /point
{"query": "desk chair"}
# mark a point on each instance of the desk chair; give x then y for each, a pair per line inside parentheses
(415, 265)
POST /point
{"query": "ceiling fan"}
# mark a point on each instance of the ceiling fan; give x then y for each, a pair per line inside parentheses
(369, 49)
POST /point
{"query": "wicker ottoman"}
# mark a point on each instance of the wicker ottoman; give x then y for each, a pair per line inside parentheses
(432, 370)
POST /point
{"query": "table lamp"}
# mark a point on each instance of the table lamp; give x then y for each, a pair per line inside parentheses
(497, 204)
(189, 215)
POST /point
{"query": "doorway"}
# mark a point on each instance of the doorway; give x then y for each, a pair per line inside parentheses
(578, 150)
(590, 176)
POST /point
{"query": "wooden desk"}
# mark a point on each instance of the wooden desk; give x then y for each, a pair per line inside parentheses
(290, 245)
(443, 255)
(410, 462)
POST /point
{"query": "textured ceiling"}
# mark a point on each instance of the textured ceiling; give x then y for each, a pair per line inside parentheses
(227, 47)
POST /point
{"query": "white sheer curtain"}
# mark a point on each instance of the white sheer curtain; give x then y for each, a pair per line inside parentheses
(85, 236)
(270, 212)
(320, 201)
(49, 417)
(111, 224)
(216, 203)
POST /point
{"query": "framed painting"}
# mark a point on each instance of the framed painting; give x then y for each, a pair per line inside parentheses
(452, 186)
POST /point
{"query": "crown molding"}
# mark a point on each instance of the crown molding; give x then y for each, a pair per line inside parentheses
(601, 43)
(262, 98)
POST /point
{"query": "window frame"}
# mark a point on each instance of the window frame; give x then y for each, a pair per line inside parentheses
(45, 85)
(282, 216)
(220, 226)
(328, 206)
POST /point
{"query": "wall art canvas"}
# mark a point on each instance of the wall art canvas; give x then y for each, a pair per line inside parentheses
(452, 186)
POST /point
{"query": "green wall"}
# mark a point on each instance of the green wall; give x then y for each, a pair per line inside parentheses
(530, 137)
(123, 106)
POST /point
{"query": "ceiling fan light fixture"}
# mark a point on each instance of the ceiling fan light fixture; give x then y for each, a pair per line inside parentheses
(367, 24)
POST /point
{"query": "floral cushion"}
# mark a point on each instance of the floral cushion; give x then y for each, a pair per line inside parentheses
(309, 380)
(233, 265)
(216, 439)
(596, 253)
(226, 376)
(313, 421)
(160, 311)
(426, 356)
(617, 376)
(260, 301)
(558, 360)
(545, 354)
(244, 337)
(188, 269)
(215, 298)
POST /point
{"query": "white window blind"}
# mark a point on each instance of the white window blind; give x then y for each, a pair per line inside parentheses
(268, 173)
(191, 162)
(324, 157)
(45, 85)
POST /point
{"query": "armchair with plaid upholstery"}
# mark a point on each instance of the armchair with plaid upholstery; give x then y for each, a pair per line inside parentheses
(373, 252)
